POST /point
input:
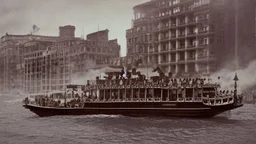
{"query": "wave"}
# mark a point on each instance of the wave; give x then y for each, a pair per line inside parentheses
(103, 116)
(89, 116)
(13, 101)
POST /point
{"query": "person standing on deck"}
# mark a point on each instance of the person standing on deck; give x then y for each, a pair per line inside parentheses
(88, 83)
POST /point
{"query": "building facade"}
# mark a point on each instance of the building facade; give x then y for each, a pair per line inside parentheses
(42, 64)
(190, 36)
(68, 58)
(12, 51)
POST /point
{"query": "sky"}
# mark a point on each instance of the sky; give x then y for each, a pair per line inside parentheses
(18, 17)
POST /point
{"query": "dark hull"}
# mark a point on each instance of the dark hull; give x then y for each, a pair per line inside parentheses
(137, 109)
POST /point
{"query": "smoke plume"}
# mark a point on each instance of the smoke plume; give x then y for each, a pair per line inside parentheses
(35, 29)
(246, 76)
(81, 78)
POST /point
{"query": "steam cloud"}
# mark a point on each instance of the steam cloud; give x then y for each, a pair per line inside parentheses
(246, 76)
(81, 78)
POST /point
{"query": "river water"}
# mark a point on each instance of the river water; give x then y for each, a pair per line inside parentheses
(20, 126)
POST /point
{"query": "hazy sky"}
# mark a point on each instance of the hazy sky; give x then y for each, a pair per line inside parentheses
(18, 16)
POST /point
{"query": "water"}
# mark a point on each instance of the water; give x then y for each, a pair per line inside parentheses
(20, 126)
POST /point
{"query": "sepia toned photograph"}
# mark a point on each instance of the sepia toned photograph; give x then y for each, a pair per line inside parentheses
(127, 71)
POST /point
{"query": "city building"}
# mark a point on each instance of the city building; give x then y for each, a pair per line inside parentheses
(68, 58)
(34, 63)
(12, 51)
(192, 36)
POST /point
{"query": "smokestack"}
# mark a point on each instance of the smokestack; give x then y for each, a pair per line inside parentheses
(67, 31)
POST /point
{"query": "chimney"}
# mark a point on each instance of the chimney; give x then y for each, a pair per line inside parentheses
(67, 31)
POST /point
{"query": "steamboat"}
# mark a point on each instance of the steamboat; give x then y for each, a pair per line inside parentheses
(138, 97)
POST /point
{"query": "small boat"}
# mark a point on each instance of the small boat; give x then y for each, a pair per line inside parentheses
(137, 98)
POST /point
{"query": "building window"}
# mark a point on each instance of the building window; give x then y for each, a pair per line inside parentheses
(176, 2)
(176, 10)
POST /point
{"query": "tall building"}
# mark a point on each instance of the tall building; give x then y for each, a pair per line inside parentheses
(191, 36)
(12, 51)
(69, 57)
(44, 63)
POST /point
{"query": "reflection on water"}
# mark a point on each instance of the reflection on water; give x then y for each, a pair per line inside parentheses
(18, 125)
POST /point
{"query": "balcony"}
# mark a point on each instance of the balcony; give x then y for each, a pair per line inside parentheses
(203, 18)
(182, 23)
(164, 62)
(156, 50)
(206, 58)
(164, 38)
(173, 25)
(181, 35)
(191, 34)
(191, 46)
(173, 60)
(163, 28)
(141, 20)
(173, 48)
(191, 21)
(173, 36)
(203, 31)
(191, 58)
(202, 45)
(164, 50)
(181, 47)
(181, 60)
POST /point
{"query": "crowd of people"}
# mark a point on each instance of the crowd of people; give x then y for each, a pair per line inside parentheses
(156, 81)
(126, 79)
(46, 101)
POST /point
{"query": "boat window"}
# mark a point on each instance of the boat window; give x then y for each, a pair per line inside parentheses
(198, 92)
(101, 95)
(128, 93)
(122, 94)
(165, 94)
(189, 92)
(142, 93)
(114, 94)
(157, 93)
(136, 93)
(149, 93)
(209, 92)
(181, 93)
(173, 96)
(107, 94)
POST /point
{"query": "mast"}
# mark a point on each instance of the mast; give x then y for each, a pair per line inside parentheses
(236, 35)
(235, 86)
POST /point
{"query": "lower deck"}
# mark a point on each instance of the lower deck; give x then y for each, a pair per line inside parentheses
(137, 109)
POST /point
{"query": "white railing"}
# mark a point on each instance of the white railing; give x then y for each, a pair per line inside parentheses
(218, 100)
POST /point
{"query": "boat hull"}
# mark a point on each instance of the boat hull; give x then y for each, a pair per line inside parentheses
(137, 109)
